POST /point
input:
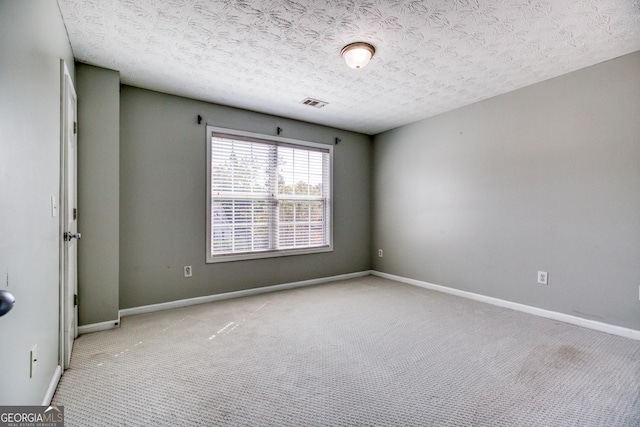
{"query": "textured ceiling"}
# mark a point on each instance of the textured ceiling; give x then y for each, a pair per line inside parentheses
(431, 56)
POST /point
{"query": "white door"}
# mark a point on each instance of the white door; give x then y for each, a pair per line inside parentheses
(69, 214)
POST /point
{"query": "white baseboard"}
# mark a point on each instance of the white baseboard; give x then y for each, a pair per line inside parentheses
(237, 294)
(97, 327)
(52, 386)
(566, 318)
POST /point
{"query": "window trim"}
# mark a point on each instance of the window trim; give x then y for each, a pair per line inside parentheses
(210, 258)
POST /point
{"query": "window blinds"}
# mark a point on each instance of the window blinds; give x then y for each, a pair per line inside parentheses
(267, 196)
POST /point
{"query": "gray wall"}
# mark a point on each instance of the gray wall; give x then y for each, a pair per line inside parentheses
(32, 42)
(543, 178)
(163, 201)
(98, 92)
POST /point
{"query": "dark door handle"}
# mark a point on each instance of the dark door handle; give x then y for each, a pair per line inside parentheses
(6, 302)
(68, 236)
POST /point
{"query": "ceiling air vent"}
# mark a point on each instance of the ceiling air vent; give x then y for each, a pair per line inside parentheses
(315, 103)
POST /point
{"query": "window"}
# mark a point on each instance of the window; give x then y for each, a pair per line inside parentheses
(267, 196)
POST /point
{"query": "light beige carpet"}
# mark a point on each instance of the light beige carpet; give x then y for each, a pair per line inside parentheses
(362, 352)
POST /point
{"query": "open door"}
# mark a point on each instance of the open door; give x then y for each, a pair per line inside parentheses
(68, 220)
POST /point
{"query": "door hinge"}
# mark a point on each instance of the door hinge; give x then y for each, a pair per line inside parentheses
(75, 127)
(75, 300)
(75, 213)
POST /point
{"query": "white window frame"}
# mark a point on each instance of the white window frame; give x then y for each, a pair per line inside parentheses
(210, 131)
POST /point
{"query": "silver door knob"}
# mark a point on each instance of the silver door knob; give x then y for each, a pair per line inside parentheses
(68, 236)
(6, 302)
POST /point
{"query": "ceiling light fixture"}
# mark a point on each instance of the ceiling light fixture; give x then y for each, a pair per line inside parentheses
(358, 54)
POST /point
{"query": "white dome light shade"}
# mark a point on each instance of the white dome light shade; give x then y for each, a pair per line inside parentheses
(357, 55)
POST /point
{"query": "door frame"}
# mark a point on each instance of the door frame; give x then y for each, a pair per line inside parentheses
(67, 295)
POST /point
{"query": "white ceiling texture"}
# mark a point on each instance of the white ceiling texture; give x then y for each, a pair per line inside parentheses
(431, 56)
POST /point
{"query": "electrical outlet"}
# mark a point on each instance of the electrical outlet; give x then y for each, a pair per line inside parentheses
(33, 359)
(380, 253)
(543, 278)
(188, 271)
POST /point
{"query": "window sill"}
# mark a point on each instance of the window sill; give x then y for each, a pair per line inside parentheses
(267, 254)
